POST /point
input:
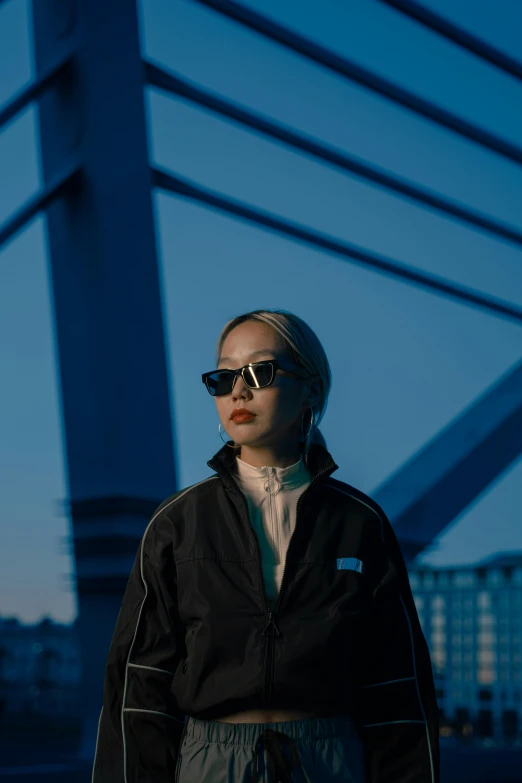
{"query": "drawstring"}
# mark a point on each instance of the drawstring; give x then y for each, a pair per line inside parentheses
(279, 766)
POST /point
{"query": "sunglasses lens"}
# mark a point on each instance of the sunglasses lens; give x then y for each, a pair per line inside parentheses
(220, 382)
(258, 376)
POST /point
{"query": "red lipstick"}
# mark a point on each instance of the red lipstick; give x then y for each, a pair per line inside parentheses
(241, 414)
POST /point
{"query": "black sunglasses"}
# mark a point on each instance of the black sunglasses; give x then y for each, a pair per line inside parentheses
(256, 375)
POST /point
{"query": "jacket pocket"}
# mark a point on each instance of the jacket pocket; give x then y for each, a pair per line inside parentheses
(148, 688)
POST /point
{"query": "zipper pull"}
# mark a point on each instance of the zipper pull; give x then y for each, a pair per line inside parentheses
(271, 629)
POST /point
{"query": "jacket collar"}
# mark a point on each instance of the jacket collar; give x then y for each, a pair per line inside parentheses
(319, 461)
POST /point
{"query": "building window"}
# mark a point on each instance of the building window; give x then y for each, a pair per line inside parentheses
(484, 600)
(443, 579)
(428, 580)
(494, 576)
(464, 579)
(486, 637)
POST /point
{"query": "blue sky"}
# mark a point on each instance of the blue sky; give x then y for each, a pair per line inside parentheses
(405, 362)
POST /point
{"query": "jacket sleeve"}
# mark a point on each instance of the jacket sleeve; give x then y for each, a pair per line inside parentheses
(395, 701)
(140, 726)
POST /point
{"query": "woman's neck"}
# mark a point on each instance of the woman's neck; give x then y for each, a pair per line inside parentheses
(274, 457)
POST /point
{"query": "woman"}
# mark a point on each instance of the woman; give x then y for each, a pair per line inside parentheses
(268, 623)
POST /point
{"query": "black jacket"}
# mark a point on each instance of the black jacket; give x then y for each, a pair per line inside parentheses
(195, 636)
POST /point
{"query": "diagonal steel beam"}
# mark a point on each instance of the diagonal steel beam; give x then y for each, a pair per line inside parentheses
(458, 35)
(175, 84)
(369, 79)
(33, 91)
(384, 264)
(38, 203)
(427, 493)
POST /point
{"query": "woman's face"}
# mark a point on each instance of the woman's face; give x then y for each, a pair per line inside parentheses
(278, 408)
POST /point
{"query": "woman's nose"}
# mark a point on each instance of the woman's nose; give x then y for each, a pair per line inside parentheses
(240, 387)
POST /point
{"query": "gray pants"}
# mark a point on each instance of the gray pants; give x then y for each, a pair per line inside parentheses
(312, 750)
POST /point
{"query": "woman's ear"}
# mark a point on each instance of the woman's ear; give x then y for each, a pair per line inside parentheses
(315, 390)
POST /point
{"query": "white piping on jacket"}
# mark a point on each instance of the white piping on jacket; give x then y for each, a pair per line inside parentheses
(96, 747)
(387, 723)
(154, 712)
(387, 682)
(123, 708)
(332, 486)
(152, 668)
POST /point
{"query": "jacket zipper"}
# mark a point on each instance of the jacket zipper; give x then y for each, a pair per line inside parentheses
(272, 635)
(271, 630)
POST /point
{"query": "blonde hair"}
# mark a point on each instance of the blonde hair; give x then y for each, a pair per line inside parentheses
(307, 352)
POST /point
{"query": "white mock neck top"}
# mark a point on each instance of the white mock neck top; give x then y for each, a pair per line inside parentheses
(272, 494)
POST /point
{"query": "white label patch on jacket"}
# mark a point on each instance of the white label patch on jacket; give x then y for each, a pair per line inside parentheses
(350, 564)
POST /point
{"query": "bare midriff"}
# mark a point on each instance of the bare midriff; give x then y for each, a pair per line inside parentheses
(269, 716)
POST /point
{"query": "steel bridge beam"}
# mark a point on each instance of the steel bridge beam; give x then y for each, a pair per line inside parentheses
(115, 402)
(427, 493)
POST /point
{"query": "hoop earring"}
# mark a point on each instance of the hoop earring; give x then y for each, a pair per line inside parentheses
(224, 441)
(311, 424)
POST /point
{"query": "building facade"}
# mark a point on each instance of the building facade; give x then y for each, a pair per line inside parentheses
(472, 619)
(40, 668)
